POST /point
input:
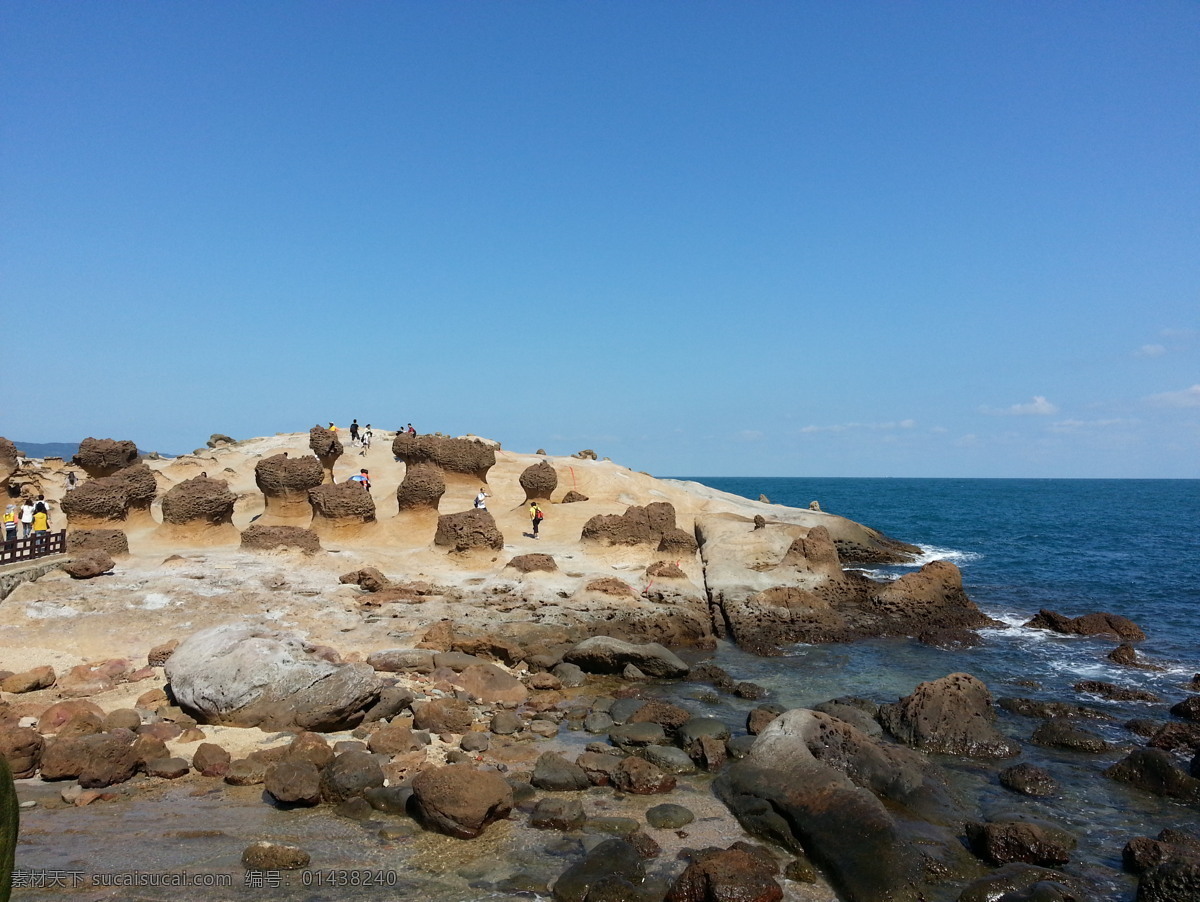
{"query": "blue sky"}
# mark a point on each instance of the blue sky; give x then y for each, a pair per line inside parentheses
(829, 239)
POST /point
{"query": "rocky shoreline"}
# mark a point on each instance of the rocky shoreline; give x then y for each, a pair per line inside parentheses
(444, 685)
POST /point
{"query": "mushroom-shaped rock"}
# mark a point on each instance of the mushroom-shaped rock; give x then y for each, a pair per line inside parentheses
(344, 506)
(199, 501)
(463, 459)
(460, 801)
(951, 716)
(422, 488)
(328, 448)
(140, 488)
(250, 675)
(467, 530)
(267, 538)
(285, 482)
(105, 456)
(97, 502)
(539, 481)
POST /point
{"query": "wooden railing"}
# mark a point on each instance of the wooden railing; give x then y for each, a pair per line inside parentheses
(36, 546)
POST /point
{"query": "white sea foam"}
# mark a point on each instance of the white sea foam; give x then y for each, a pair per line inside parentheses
(930, 553)
(877, 575)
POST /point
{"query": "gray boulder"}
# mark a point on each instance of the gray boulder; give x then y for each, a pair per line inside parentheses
(252, 675)
(603, 654)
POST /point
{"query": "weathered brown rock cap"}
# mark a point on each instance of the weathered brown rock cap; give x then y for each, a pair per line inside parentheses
(1095, 624)
(111, 541)
(539, 481)
(345, 502)
(457, 456)
(105, 456)
(653, 524)
(199, 500)
(422, 488)
(281, 476)
(468, 529)
(265, 538)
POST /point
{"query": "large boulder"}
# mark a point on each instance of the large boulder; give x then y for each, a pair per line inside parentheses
(422, 488)
(267, 538)
(950, 716)
(105, 456)
(462, 459)
(22, 748)
(603, 654)
(88, 564)
(285, 482)
(250, 675)
(326, 445)
(1112, 626)
(781, 792)
(1154, 771)
(740, 872)
(344, 508)
(460, 801)
(539, 481)
(637, 526)
(468, 530)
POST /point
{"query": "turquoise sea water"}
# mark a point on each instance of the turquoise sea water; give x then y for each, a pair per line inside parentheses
(1129, 547)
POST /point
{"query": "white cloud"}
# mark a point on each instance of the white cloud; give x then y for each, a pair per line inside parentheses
(875, 427)
(1150, 351)
(1188, 397)
(1077, 425)
(750, 435)
(1039, 407)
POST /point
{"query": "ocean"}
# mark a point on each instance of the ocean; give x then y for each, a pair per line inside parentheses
(1129, 547)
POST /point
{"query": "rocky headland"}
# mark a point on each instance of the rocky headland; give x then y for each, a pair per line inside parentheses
(246, 616)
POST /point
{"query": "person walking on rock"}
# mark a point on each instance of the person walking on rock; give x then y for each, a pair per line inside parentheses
(365, 439)
(481, 499)
(10, 523)
(26, 519)
(535, 516)
(363, 478)
(354, 430)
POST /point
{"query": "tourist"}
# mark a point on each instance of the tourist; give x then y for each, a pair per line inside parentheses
(26, 518)
(72, 482)
(410, 429)
(366, 437)
(41, 526)
(354, 430)
(10, 523)
(535, 515)
(363, 478)
(481, 499)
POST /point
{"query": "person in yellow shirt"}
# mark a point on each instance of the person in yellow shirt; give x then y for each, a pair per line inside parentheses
(535, 516)
(10, 522)
(41, 526)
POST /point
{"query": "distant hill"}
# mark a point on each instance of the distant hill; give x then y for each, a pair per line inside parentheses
(65, 450)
